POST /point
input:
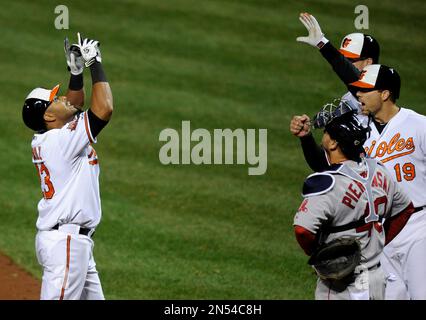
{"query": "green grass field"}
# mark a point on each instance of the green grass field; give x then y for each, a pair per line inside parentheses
(190, 232)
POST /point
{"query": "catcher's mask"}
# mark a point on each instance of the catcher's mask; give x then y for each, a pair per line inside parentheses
(35, 105)
(339, 120)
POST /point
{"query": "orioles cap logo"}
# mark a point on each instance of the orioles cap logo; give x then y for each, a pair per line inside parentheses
(346, 42)
(361, 76)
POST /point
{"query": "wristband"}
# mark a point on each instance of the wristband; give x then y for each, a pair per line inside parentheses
(322, 42)
(97, 73)
(76, 82)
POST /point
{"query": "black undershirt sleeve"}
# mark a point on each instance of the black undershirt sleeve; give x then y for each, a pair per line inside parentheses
(76, 82)
(346, 71)
(314, 154)
(96, 124)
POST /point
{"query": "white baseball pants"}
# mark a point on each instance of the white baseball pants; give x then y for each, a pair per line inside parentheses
(404, 261)
(69, 269)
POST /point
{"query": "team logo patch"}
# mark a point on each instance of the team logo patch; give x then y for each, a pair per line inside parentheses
(361, 76)
(72, 125)
(346, 42)
(303, 207)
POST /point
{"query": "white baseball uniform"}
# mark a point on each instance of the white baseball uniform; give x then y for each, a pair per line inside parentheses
(401, 147)
(354, 190)
(69, 211)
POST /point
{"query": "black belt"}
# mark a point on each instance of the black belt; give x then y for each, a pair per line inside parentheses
(83, 231)
(417, 209)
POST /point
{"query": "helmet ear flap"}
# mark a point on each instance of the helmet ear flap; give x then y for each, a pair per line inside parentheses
(35, 106)
(33, 113)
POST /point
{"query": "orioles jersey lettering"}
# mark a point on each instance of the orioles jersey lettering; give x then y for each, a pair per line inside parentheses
(401, 147)
(397, 147)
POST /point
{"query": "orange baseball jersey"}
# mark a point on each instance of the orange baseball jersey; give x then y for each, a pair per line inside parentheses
(68, 169)
(401, 147)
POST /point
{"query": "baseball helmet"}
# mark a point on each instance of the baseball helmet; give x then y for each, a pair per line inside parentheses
(339, 120)
(379, 77)
(35, 105)
(360, 46)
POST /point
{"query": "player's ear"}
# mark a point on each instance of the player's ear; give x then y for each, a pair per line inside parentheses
(385, 95)
(333, 144)
(369, 61)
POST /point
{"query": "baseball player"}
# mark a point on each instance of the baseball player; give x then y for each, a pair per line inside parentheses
(407, 262)
(68, 168)
(350, 201)
(357, 50)
(398, 140)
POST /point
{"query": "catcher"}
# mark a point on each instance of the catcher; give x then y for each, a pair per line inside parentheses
(339, 223)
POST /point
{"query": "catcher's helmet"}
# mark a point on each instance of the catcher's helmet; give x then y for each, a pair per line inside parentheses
(35, 105)
(339, 120)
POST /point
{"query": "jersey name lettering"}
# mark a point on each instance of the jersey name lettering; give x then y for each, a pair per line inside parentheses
(353, 194)
(356, 189)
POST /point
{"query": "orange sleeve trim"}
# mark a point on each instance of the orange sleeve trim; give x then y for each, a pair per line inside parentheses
(86, 125)
(67, 268)
(349, 54)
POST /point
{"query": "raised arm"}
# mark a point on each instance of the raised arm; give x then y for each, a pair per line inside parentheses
(75, 62)
(344, 68)
(101, 107)
(313, 153)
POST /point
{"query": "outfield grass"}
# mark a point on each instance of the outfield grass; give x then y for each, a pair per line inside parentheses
(190, 232)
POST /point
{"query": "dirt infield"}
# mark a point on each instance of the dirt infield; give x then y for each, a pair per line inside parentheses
(16, 283)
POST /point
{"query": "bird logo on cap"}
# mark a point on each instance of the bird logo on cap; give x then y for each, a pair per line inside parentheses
(346, 42)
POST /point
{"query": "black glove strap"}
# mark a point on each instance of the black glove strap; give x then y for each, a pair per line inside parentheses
(97, 73)
(76, 82)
